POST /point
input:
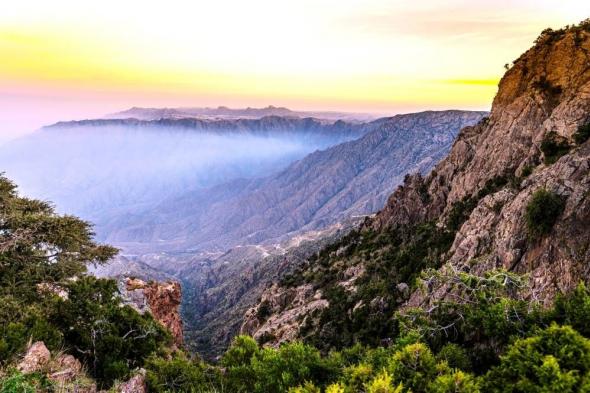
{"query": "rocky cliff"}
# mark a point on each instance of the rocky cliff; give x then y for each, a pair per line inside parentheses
(162, 300)
(474, 211)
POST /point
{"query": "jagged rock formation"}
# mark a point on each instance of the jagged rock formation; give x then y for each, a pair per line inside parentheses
(162, 300)
(477, 197)
(547, 90)
(298, 303)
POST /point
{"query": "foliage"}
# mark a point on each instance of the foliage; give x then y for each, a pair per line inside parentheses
(455, 382)
(454, 356)
(45, 295)
(110, 338)
(16, 382)
(542, 212)
(38, 246)
(582, 134)
(555, 359)
(178, 374)
(250, 369)
(481, 314)
(553, 147)
(382, 383)
(414, 366)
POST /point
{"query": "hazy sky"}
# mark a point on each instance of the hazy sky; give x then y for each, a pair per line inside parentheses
(76, 59)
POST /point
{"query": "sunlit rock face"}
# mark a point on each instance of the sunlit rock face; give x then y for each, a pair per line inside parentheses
(547, 90)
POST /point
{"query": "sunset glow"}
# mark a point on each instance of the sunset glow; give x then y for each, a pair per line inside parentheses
(66, 59)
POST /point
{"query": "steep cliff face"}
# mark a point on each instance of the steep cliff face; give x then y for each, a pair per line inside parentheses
(546, 91)
(469, 213)
(162, 300)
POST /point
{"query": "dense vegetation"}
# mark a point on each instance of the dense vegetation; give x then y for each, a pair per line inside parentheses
(45, 296)
(494, 340)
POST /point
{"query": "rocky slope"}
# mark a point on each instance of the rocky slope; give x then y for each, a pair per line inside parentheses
(352, 178)
(220, 289)
(468, 214)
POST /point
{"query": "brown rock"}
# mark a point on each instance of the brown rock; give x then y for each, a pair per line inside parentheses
(135, 385)
(35, 359)
(162, 300)
(66, 368)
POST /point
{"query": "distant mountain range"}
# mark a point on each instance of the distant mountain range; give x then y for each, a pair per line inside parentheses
(352, 178)
(224, 112)
(116, 169)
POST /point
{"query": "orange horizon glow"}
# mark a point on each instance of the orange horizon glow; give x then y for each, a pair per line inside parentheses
(63, 60)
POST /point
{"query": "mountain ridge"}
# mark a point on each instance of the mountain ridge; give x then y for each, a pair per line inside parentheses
(316, 191)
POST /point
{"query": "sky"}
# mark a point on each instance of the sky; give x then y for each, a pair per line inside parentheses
(62, 60)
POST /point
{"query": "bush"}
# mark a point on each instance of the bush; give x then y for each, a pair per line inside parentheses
(553, 147)
(554, 360)
(178, 374)
(16, 382)
(414, 366)
(455, 382)
(382, 384)
(454, 356)
(542, 212)
(582, 134)
(112, 339)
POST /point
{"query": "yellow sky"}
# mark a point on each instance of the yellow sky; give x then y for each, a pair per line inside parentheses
(70, 59)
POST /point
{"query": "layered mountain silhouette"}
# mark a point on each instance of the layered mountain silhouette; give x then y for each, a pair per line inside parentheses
(349, 179)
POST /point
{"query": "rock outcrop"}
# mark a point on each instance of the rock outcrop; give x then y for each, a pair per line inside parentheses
(162, 300)
(135, 384)
(65, 372)
(279, 314)
(36, 357)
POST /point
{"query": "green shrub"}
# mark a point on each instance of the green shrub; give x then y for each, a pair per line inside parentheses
(455, 382)
(526, 171)
(414, 366)
(582, 134)
(553, 147)
(382, 383)
(542, 212)
(178, 374)
(554, 360)
(454, 356)
(573, 309)
(116, 339)
(16, 382)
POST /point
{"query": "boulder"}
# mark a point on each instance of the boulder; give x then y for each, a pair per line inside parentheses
(35, 359)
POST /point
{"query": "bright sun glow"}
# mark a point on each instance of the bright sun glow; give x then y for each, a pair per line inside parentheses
(66, 59)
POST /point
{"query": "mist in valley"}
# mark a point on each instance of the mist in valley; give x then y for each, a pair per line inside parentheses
(101, 173)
